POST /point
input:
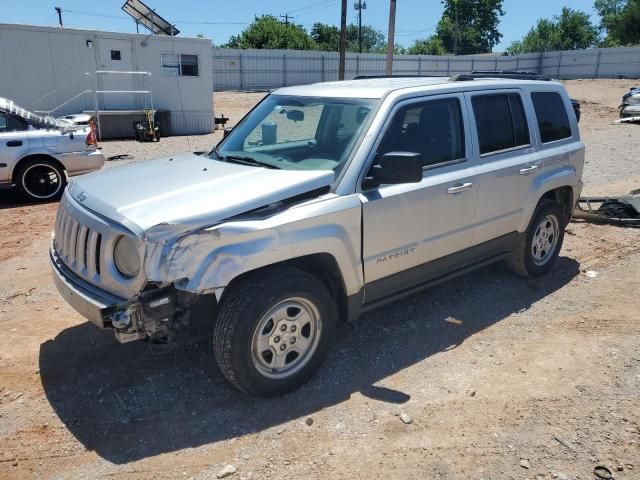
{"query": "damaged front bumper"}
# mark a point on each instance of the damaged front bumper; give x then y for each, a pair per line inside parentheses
(151, 314)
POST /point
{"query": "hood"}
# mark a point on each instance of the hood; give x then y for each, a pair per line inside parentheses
(187, 189)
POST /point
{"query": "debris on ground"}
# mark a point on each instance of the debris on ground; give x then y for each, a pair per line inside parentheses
(227, 471)
(124, 156)
(524, 463)
(406, 419)
(630, 106)
(570, 446)
(623, 210)
(602, 473)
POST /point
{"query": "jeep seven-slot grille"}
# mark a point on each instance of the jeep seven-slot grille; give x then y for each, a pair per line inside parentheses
(77, 245)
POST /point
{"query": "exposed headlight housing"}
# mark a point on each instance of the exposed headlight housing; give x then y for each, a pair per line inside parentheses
(126, 257)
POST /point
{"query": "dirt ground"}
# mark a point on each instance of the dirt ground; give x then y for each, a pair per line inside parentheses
(502, 378)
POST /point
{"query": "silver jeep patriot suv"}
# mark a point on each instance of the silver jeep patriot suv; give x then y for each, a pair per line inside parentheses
(324, 202)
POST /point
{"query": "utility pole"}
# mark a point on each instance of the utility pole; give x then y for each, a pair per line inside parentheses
(286, 17)
(59, 10)
(343, 41)
(359, 5)
(456, 30)
(391, 37)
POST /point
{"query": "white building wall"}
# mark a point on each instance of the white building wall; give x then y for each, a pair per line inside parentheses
(43, 67)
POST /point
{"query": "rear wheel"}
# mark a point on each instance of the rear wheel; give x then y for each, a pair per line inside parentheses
(273, 331)
(540, 245)
(41, 179)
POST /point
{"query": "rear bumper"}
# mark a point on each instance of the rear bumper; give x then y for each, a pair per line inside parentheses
(77, 163)
(90, 302)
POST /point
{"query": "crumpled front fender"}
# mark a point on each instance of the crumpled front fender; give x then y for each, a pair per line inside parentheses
(207, 260)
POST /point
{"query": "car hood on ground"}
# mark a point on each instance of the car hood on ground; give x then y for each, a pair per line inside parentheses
(187, 189)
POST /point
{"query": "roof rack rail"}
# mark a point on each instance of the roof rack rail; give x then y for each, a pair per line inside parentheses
(511, 74)
(369, 77)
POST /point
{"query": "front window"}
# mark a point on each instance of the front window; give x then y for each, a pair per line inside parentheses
(298, 133)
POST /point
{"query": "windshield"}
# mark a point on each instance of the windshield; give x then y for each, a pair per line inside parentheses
(297, 133)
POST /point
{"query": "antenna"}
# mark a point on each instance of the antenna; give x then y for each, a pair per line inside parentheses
(148, 18)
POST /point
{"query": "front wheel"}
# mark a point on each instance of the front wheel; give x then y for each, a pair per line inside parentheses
(540, 245)
(274, 330)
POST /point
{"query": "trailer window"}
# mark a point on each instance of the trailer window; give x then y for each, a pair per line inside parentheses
(177, 64)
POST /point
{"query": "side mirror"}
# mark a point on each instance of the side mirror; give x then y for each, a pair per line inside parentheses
(226, 131)
(397, 167)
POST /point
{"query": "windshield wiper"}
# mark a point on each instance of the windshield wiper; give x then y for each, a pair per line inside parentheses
(245, 160)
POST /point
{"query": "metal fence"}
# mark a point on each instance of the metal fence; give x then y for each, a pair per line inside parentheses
(265, 69)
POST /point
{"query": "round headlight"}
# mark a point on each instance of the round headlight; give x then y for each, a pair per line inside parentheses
(125, 255)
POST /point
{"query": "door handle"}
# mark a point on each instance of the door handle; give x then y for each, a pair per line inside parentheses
(461, 187)
(14, 143)
(528, 170)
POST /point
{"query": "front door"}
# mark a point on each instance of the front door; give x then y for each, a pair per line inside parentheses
(406, 227)
(14, 143)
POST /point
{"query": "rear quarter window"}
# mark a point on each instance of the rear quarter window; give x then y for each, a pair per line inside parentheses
(551, 114)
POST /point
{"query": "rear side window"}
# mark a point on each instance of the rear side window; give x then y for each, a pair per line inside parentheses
(500, 121)
(551, 113)
(9, 123)
(433, 129)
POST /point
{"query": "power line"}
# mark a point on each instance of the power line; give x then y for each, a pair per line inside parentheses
(331, 4)
(323, 4)
(117, 17)
(416, 32)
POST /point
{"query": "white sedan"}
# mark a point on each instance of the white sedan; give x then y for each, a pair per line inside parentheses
(38, 154)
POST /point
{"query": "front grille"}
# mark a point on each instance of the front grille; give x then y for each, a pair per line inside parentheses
(84, 242)
(77, 245)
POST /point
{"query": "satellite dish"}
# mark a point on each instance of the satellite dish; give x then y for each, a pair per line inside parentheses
(147, 17)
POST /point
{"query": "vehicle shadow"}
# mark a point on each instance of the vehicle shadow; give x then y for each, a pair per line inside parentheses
(12, 199)
(126, 404)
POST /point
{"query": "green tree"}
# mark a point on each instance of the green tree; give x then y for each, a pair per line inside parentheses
(470, 26)
(427, 46)
(269, 32)
(620, 21)
(327, 37)
(373, 41)
(571, 30)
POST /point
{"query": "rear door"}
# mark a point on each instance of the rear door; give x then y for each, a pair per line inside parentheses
(507, 160)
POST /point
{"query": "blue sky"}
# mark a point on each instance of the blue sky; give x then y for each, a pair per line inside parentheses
(218, 19)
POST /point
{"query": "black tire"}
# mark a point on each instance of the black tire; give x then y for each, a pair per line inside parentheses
(40, 179)
(246, 306)
(522, 261)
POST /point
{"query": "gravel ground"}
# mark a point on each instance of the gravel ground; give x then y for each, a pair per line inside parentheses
(486, 377)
